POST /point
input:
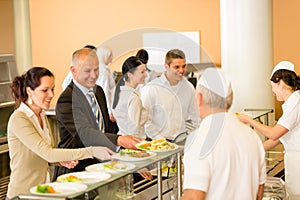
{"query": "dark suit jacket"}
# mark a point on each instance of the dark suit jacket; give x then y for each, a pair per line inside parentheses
(77, 125)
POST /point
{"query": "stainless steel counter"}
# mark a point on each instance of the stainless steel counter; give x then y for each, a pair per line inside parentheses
(155, 162)
(274, 157)
(106, 190)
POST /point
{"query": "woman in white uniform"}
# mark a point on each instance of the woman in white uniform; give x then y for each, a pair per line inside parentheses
(127, 106)
(105, 79)
(285, 85)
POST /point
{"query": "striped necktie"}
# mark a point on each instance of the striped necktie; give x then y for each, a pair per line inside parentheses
(95, 109)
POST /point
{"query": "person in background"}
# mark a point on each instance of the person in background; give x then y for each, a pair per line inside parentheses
(285, 85)
(106, 80)
(79, 125)
(143, 56)
(127, 105)
(170, 100)
(69, 77)
(223, 158)
(30, 139)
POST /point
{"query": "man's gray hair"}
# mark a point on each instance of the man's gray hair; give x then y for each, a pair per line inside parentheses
(80, 55)
(214, 100)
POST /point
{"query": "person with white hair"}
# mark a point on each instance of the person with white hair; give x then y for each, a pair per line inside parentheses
(68, 79)
(105, 79)
(224, 158)
(285, 85)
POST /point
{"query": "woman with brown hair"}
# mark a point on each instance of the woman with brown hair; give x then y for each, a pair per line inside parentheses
(30, 139)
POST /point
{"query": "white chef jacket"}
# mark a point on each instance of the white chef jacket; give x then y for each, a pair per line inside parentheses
(290, 119)
(67, 80)
(151, 75)
(130, 114)
(224, 158)
(107, 82)
(169, 107)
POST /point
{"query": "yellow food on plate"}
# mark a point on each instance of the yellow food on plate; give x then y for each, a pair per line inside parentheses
(156, 145)
(158, 141)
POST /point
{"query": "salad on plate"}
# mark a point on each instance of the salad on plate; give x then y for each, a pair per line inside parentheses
(112, 167)
(58, 188)
(133, 155)
(84, 177)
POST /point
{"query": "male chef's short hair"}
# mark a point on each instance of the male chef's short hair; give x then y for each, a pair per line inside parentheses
(174, 54)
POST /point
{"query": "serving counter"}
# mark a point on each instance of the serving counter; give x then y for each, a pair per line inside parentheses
(274, 157)
(106, 189)
(161, 187)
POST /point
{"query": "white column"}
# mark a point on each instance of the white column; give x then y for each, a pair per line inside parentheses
(247, 51)
(22, 35)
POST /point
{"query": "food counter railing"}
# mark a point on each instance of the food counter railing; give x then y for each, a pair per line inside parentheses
(258, 113)
(274, 158)
(93, 188)
(272, 164)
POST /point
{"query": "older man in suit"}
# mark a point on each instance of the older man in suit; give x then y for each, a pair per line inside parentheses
(81, 120)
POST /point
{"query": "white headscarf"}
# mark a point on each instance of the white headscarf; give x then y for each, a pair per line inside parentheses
(216, 80)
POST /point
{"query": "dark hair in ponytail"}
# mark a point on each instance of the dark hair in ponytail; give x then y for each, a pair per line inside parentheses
(32, 79)
(130, 66)
(143, 56)
(288, 77)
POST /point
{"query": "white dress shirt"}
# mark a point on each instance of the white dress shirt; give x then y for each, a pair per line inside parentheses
(67, 80)
(85, 91)
(169, 107)
(130, 114)
(107, 82)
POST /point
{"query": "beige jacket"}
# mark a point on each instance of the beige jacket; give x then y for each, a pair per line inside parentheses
(30, 154)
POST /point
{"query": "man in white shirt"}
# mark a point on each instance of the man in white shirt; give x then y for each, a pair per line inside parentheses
(224, 158)
(170, 100)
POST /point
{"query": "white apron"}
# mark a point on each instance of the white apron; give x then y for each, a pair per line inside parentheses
(292, 173)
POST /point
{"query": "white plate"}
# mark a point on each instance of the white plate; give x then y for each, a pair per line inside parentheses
(62, 189)
(132, 159)
(158, 151)
(88, 177)
(100, 167)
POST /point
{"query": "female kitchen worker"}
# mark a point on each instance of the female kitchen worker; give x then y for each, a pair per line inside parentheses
(30, 139)
(105, 79)
(127, 106)
(285, 85)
